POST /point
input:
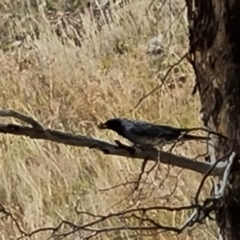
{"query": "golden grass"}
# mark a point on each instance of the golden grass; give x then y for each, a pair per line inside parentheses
(70, 88)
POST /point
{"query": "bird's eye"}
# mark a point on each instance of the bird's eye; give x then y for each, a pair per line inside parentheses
(102, 126)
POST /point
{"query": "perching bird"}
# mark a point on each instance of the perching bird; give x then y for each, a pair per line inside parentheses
(148, 134)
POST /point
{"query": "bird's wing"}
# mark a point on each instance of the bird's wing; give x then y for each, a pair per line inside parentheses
(146, 129)
(168, 133)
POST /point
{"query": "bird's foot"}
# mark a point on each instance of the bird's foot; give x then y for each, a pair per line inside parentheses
(143, 147)
(130, 149)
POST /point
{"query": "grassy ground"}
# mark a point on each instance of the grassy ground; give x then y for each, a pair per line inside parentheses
(71, 88)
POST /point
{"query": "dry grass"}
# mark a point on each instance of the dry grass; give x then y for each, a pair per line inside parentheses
(71, 88)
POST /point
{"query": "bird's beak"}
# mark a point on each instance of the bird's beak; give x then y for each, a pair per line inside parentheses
(102, 126)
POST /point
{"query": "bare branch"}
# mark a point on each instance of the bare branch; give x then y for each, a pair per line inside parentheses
(20, 116)
(38, 132)
(123, 184)
(145, 223)
(89, 227)
(208, 173)
(225, 179)
(140, 209)
(7, 213)
(144, 163)
(162, 82)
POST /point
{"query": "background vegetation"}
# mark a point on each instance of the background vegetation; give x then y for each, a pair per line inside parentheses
(71, 72)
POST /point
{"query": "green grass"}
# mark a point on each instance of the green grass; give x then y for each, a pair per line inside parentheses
(70, 88)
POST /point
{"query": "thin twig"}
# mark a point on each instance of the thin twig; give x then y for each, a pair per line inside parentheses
(197, 217)
(207, 174)
(161, 84)
(144, 163)
(20, 116)
(226, 174)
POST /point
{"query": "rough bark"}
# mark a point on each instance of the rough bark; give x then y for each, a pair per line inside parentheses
(214, 39)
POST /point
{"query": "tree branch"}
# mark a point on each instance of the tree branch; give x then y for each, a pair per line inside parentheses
(21, 117)
(91, 228)
(38, 132)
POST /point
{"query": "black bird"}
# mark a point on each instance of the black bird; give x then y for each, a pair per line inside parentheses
(148, 134)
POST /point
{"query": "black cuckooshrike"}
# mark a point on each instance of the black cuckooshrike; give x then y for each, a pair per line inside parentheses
(148, 134)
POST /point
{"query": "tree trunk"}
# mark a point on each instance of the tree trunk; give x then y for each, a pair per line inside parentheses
(214, 38)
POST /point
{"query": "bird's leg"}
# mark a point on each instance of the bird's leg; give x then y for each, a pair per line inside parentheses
(130, 149)
(136, 145)
(143, 147)
(160, 147)
(144, 163)
(180, 142)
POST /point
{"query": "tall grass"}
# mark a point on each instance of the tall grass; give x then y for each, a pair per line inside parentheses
(45, 74)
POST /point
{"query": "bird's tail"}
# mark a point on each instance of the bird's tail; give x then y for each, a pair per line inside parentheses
(193, 137)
